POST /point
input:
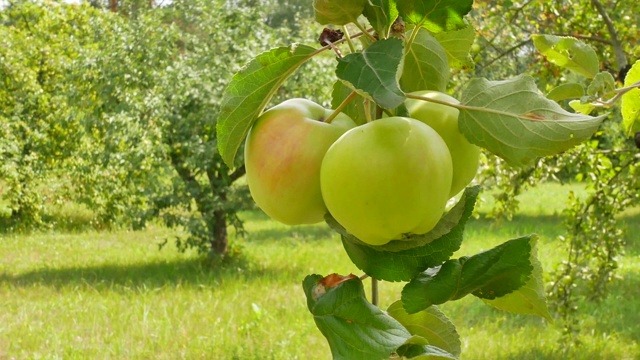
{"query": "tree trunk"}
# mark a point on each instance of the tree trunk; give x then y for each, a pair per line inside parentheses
(219, 181)
(216, 224)
(219, 241)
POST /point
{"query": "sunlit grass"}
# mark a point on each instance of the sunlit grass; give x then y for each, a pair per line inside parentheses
(115, 295)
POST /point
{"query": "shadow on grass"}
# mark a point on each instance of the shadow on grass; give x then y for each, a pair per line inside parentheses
(271, 230)
(196, 272)
(298, 233)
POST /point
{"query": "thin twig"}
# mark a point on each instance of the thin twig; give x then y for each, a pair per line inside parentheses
(507, 52)
(472, 108)
(327, 47)
(340, 107)
(334, 47)
(621, 59)
(586, 37)
(374, 291)
(347, 37)
(619, 93)
(364, 31)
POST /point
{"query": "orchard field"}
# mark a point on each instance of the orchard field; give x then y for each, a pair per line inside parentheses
(152, 151)
(78, 294)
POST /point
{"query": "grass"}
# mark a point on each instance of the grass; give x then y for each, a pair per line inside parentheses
(114, 295)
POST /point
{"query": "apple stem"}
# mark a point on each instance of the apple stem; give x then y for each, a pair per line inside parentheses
(341, 107)
(379, 111)
(367, 110)
(374, 291)
(348, 38)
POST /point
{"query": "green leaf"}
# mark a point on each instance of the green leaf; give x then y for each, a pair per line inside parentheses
(457, 44)
(530, 298)
(354, 328)
(513, 120)
(374, 72)
(381, 15)
(435, 16)
(418, 348)
(337, 12)
(401, 260)
(631, 102)
(602, 84)
(249, 92)
(582, 108)
(431, 324)
(355, 109)
(566, 92)
(569, 53)
(425, 65)
(488, 275)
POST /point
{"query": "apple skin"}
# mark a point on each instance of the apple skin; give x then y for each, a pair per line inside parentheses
(387, 178)
(444, 120)
(283, 153)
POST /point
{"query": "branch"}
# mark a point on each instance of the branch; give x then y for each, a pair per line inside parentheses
(519, 10)
(238, 173)
(617, 47)
(619, 93)
(586, 37)
(507, 52)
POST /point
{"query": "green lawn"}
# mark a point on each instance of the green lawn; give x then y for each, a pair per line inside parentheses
(113, 295)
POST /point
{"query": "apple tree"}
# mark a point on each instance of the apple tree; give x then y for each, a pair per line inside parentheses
(385, 182)
(39, 132)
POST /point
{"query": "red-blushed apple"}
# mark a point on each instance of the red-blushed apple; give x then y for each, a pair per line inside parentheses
(444, 120)
(283, 154)
(387, 178)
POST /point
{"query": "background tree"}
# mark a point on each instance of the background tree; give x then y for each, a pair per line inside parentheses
(134, 97)
(39, 131)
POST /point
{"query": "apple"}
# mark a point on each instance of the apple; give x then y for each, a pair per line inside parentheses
(387, 178)
(444, 120)
(283, 153)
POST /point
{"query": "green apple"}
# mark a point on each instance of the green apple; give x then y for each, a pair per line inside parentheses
(283, 154)
(444, 120)
(387, 178)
